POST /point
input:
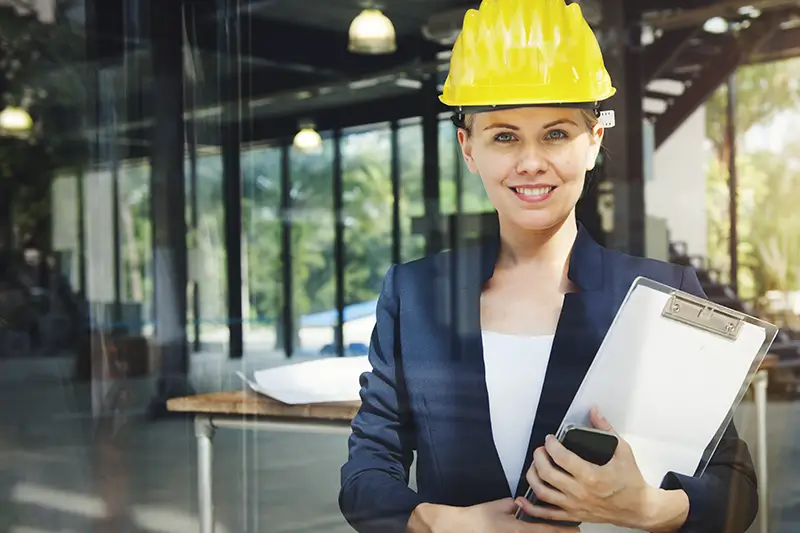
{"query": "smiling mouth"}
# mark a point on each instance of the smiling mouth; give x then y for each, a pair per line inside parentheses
(533, 192)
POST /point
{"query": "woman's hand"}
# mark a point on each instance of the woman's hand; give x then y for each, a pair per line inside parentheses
(491, 517)
(615, 493)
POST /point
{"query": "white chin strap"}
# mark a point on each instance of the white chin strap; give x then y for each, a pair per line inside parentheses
(607, 119)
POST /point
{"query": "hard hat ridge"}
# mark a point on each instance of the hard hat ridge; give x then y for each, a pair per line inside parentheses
(526, 52)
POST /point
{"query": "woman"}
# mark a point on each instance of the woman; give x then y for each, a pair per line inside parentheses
(477, 353)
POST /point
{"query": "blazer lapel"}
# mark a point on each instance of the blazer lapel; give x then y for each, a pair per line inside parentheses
(585, 318)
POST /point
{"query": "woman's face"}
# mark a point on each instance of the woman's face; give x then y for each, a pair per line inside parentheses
(532, 160)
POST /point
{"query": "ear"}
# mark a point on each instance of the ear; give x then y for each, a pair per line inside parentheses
(466, 149)
(594, 147)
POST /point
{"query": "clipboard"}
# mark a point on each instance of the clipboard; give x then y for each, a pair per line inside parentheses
(669, 376)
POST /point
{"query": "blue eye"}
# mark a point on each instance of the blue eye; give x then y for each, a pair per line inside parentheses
(504, 137)
(556, 135)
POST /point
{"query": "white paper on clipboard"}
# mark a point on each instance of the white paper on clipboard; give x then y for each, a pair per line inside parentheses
(334, 379)
(669, 388)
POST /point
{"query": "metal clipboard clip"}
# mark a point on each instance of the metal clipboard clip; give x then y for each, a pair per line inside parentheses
(704, 315)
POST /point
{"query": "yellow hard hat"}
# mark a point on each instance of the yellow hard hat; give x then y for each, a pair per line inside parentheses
(526, 52)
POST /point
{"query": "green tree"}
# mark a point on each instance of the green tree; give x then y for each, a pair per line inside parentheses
(767, 181)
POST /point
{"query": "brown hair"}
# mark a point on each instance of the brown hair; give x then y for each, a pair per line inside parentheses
(589, 118)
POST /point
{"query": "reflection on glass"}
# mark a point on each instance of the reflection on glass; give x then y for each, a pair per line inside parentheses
(313, 278)
(65, 224)
(98, 216)
(261, 246)
(412, 205)
(208, 253)
(448, 141)
(367, 206)
(452, 170)
(136, 254)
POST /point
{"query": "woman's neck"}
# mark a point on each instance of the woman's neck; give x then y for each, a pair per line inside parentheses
(547, 249)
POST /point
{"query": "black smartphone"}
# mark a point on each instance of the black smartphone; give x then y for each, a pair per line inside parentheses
(590, 444)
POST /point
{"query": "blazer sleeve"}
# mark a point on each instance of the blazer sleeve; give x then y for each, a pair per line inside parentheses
(725, 498)
(374, 495)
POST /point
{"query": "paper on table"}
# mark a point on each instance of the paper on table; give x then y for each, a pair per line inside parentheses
(334, 379)
(665, 387)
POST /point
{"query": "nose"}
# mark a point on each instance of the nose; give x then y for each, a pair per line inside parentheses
(531, 161)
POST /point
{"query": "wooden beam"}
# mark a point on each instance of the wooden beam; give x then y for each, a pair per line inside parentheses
(672, 19)
(781, 45)
(714, 75)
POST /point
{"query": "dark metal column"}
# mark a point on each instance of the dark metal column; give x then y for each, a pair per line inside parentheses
(434, 241)
(338, 243)
(733, 188)
(190, 95)
(622, 51)
(168, 201)
(286, 332)
(230, 96)
(191, 132)
(396, 193)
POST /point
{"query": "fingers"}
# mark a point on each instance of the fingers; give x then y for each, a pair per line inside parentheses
(598, 421)
(566, 459)
(504, 506)
(552, 475)
(547, 513)
(541, 489)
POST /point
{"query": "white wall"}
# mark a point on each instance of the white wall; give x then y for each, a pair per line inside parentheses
(676, 191)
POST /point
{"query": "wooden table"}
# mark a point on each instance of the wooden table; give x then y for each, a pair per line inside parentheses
(244, 409)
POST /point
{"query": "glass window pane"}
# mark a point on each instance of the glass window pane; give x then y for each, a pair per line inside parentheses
(412, 204)
(367, 206)
(208, 253)
(447, 167)
(313, 279)
(136, 254)
(261, 246)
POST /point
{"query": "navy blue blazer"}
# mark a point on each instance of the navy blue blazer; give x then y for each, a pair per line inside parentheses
(427, 391)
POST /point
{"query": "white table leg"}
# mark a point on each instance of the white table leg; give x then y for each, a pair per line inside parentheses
(204, 432)
(760, 395)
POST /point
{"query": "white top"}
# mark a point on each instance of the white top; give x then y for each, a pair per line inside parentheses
(515, 369)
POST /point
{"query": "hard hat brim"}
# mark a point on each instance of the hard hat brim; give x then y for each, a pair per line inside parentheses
(471, 110)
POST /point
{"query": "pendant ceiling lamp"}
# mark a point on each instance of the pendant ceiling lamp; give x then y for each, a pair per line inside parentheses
(15, 121)
(307, 139)
(372, 33)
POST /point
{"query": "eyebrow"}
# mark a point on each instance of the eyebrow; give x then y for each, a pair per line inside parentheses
(500, 125)
(559, 121)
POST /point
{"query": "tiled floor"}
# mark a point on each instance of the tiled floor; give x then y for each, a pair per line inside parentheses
(62, 472)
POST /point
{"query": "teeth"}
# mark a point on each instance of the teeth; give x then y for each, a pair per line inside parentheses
(538, 191)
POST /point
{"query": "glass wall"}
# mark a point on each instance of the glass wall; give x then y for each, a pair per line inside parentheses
(262, 277)
(207, 252)
(159, 170)
(456, 176)
(367, 203)
(313, 233)
(412, 204)
(136, 247)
